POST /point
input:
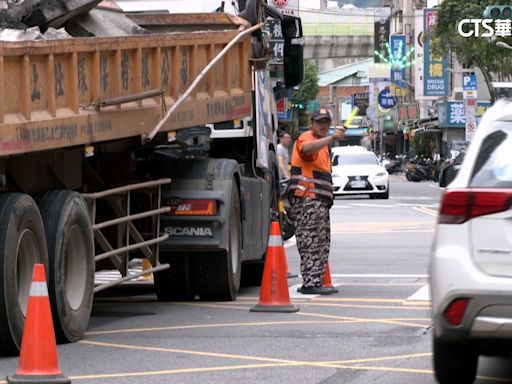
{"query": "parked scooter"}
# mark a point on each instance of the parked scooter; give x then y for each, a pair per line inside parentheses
(394, 165)
(422, 169)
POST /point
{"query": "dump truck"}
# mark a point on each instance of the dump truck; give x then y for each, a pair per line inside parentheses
(158, 146)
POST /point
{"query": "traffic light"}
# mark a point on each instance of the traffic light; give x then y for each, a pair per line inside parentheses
(298, 105)
(498, 12)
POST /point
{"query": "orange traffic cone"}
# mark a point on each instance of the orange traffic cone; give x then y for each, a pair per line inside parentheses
(146, 264)
(327, 283)
(38, 361)
(274, 294)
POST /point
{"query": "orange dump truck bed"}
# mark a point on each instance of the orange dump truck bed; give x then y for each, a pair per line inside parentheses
(81, 91)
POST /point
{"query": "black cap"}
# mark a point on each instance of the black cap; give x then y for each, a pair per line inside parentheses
(321, 113)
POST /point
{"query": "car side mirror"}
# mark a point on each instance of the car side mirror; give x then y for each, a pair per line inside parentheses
(449, 174)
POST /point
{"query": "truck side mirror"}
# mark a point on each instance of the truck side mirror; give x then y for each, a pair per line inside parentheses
(293, 64)
(293, 59)
(291, 27)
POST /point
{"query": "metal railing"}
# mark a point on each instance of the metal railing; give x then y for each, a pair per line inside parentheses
(129, 238)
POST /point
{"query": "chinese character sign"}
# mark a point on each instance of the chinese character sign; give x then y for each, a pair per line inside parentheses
(435, 78)
(397, 45)
(456, 114)
(276, 42)
(381, 37)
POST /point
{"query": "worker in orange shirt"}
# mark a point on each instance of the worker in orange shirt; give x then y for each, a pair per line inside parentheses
(311, 197)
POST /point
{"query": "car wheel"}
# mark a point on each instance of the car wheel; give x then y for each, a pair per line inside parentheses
(385, 195)
(455, 362)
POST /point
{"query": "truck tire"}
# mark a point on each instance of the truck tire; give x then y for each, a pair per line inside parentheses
(22, 244)
(177, 282)
(218, 274)
(71, 257)
(252, 271)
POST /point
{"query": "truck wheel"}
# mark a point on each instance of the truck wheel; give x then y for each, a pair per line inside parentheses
(252, 271)
(71, 257)
(22, 244)
(175, 283)
(219, 273)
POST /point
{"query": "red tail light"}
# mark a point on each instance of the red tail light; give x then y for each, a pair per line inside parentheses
(191, 207)
(461, 205)
(455, 311)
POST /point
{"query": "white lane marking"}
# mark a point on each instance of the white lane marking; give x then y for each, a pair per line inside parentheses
(416, 198)
(370, 205)
(378, 275)
(435, 186)
(422, 294)
(415, 205)
(297, 295)
(290, 242)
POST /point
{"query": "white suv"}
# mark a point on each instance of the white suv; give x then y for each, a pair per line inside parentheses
(471, 264)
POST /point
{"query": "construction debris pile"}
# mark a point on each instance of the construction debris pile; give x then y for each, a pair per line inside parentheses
(57, 19)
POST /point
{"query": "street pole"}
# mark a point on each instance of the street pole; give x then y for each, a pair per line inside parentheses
(381, 136)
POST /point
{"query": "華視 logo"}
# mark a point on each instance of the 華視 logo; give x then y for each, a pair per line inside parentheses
(496, 21)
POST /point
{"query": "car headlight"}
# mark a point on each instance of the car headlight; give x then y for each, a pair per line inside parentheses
(380, 174)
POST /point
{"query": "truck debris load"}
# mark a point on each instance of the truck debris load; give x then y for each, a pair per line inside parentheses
(80, 18)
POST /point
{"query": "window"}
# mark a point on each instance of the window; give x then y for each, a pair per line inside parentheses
(493, 168)
(355, 159)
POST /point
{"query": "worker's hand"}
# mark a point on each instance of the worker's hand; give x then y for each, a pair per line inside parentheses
(340, 133)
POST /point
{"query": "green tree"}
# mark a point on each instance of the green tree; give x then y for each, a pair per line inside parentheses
(308, 90)
(472, 51)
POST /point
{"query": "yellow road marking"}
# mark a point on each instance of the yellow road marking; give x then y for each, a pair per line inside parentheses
(189, 352)
(428, 211)
(272, 363)
(374, 359)
(363, 306)
(412, 302)
(217, 325)
(383, 227)
(362, 300)
(177, 371)
(251, 324)
(361, 320)
(310, 303)
(383, 231)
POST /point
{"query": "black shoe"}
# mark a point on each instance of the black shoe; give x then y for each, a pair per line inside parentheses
(314, 290)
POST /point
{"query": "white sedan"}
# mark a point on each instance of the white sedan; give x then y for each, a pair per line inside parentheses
(359, 172)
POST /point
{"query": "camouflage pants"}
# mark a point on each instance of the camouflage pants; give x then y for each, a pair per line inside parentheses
(313, 234)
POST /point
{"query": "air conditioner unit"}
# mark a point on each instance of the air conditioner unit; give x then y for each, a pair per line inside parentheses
(458, 94)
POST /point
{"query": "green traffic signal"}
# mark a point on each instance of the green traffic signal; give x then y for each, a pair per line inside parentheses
(498, 12)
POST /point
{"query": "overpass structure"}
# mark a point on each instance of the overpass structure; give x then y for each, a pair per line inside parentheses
(336, 38)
